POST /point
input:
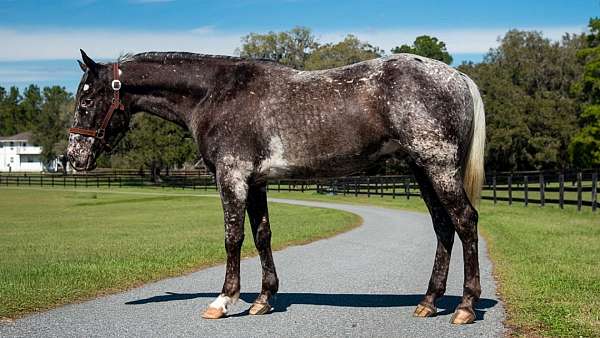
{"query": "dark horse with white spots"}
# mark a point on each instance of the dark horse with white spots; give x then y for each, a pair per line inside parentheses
(253, 120)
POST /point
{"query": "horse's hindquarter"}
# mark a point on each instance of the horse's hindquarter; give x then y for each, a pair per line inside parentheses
(429, 107)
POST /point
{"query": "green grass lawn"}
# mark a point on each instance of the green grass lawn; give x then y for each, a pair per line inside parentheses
(547, 261)
(59, 246)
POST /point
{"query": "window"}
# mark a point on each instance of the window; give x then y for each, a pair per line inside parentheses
(30, 158)
(12, 159)
(12, 144)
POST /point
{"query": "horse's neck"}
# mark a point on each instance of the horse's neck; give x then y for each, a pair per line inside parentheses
(167, 91)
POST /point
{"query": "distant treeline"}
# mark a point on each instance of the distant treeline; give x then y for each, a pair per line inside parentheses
(542, 100)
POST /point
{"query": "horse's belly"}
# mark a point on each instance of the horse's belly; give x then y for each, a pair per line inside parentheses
(282, 165)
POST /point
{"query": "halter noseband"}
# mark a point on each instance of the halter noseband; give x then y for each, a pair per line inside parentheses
(100, 133)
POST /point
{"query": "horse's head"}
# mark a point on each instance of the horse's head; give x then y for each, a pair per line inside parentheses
(99, 120)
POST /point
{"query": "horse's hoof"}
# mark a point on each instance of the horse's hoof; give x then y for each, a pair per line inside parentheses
(424, 311)
(462, 316)
(260, 308)
(213, 313)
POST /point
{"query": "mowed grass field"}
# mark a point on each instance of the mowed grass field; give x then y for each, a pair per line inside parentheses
(59, 246)
(546, 260)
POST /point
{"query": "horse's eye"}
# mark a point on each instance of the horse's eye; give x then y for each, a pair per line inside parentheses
(87, 102)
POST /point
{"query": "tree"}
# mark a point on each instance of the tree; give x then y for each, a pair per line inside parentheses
(154, 144)
(427, 46)
(348, 51)
(530, 107)
(50, 126)
(290, 48)
(10, 112)
(31, 107)
(584, 149)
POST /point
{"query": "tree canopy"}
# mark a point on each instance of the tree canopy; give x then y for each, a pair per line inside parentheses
(530, 109)
(584, 150)
(290, 48)
(348, 51)
(427, 46)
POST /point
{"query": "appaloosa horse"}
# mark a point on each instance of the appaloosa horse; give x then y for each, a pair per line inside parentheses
(254, 119)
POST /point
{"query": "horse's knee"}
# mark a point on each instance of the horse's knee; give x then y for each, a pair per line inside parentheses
(234, 240)
(263, 236)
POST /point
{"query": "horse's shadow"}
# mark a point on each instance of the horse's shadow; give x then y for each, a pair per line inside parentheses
(282, 301)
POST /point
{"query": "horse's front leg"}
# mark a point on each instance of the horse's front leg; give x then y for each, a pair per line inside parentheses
(261, 231)
(233, 186)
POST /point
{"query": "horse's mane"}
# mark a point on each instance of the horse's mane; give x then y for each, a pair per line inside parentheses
(187, 56)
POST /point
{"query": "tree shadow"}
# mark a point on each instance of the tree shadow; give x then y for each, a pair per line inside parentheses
(282, 301)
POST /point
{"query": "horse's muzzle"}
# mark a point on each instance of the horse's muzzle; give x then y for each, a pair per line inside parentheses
(80, 152)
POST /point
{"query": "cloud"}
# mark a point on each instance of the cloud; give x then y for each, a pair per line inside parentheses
(43, 44)
(109, 44)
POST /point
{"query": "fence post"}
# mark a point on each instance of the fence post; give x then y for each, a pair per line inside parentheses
(579, 191)
(394, 189)
(86, 181)
(494, 188)
(368, 187)
(407, 188)
(510, 189)
(52, 180)
(278, 185)
(594, 191)
(542, 190)
(526, 189)
(64, 181)
(561, 190)
(382, 185)
(17, 181)
(109, 182)
(356, 187)
(120, 185)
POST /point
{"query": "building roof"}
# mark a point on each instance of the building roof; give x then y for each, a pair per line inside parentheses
(24, 136)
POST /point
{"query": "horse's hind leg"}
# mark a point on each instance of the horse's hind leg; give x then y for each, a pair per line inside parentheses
(444, 231)
(232, 180)
(261, 231)
(448, 186)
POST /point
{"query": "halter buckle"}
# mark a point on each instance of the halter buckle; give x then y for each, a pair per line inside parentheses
(115, 84)
(100, 133)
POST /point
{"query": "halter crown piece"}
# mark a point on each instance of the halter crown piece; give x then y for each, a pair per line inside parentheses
(116, 104)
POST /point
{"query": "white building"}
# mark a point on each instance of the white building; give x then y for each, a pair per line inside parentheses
(18, 153)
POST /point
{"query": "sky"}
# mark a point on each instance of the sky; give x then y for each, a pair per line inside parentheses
(40, 40)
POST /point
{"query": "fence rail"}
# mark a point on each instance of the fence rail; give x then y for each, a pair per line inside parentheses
(541, 188)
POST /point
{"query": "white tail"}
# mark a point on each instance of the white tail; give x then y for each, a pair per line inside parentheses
(474, 172)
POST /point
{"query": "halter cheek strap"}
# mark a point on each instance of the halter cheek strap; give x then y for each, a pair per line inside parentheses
(100, 133)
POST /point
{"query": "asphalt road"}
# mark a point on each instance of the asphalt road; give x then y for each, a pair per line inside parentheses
(365, 282)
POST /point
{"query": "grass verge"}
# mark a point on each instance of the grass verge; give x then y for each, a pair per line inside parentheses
(59, 246)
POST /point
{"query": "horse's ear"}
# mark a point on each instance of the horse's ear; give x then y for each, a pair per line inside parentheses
(91, 64)
(82, 66)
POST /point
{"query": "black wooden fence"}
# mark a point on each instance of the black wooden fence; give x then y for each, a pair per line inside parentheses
(533, 187)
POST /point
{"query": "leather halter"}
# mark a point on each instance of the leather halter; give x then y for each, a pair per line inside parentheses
(100, 133)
